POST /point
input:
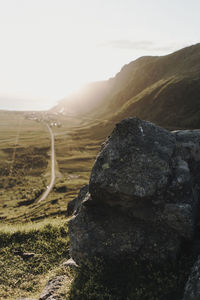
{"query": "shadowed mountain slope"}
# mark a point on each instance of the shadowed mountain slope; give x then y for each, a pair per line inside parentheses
(164, 90)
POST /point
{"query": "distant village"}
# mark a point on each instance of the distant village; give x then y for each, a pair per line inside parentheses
(47, 117)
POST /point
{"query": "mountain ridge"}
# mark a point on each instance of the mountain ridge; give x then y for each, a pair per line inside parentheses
(161, 89)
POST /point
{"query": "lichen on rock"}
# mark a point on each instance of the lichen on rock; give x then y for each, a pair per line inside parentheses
(143, 195)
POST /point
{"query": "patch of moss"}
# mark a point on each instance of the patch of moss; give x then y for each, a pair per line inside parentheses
(130, 279)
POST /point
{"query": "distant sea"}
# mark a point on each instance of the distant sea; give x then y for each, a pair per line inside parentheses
(24, 105)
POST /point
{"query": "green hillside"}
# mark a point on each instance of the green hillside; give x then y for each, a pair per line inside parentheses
(164, 90)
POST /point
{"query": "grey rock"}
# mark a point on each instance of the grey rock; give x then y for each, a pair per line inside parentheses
(192, 288)
(180, 217)
(70, 263)
(133, 163)
(188, 136)
(109, 232)
(24, 255)
(143, 195)
(26, 299)
(73, 206)
(49, 292)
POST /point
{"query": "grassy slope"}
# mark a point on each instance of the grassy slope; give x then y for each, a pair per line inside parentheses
(164, 90)
(48, 239)
(25, 169)
(21, 277)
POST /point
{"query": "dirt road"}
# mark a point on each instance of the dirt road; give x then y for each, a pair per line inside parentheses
(50, 186)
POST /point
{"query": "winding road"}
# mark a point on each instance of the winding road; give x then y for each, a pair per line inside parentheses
(50, 186)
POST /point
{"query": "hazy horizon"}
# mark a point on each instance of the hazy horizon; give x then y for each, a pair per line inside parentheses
(50, 48)
(20, 104)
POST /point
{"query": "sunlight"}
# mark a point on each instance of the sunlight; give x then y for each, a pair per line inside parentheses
(48, 51)
(99, 149)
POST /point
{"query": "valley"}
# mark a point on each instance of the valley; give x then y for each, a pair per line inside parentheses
(32, 220)
(25, 148)
(46, 157)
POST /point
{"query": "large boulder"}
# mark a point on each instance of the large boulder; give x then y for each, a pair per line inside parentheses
(143, 195)
(133, 164)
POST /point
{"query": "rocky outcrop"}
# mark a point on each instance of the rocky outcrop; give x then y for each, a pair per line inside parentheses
(70, 263)
(143, 195)
(50, 291)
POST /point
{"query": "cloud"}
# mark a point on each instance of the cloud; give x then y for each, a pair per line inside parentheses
(170, 46)
(144, 45)
(128, 44)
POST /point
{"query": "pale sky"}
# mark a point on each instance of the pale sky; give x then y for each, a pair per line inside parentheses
(48, 48)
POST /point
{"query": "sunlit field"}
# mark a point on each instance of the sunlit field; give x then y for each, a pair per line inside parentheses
(25, 165)
(25, 224)
(46, 246)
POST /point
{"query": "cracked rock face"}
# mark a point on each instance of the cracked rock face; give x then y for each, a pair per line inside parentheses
(143, 195)
(133, 163)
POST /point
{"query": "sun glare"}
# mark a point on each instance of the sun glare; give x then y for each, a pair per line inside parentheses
(49, 50)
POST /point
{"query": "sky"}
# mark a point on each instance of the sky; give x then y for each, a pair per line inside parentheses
(49, 48)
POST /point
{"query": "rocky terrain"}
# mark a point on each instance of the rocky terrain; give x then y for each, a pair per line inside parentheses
(142, 202)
